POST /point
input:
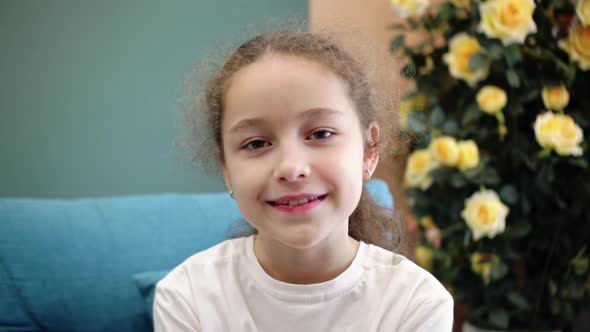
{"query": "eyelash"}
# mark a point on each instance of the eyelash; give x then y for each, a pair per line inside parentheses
(246, 146)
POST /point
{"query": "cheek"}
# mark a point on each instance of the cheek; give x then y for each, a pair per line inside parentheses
(245, 176)
(248, 184)
(344, 167)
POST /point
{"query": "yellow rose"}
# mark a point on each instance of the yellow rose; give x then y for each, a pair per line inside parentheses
(404, 108)
(408, 105)
(508, 20)
(485, 214)
(419, 165)
(468, 155)
(423, 256)
(555, 97)
(461, 48)
(427, 222)
(559, 132)
(428, 66)
(491, 99)
(583, 11)
(444, 149)
(406, 8)
(545, 126)
(481, 263)
(577, 46)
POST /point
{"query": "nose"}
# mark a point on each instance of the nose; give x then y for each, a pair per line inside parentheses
(291, 164)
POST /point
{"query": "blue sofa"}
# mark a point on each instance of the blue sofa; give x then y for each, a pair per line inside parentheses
(91, 264)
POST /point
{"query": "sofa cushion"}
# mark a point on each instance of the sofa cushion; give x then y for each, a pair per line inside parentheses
(66, 265)
(146, 284)
(10, 303)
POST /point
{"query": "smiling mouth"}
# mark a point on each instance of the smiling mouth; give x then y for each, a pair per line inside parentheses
(297, 202)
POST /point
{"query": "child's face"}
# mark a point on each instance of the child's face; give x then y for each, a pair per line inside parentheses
(289, 128)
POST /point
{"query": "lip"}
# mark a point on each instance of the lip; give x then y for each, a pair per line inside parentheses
(298, 208)
(294, 197)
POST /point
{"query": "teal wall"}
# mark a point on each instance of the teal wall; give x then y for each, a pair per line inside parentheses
(89, 91)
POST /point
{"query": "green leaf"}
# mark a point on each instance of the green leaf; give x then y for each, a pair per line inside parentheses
(458, 181)
(445, 14)
(450, 127)
(437, 117)
(579, 162)
(472, 114)
(509, 194)
(499, 318)
(543, 180)
(559, 200)
(495, 51)
(514, 108)
(552, 288)
(518, 230)
(409, 70)
(466, 238)
(472, 173)
(518, 301)
(498, 271)
(529, 95)
(396, 26)
(555, 307)
(576, 290)
(580, 265)
(512, 78)
(442, 173)
(513, 54)
(416, 122)
(490, 177)
(568, 311)
(396, 43)
(455, 227)
(478, 61)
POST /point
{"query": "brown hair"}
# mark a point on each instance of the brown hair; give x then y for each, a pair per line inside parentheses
(369, 222)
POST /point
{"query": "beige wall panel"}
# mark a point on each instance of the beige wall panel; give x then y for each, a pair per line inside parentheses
(370, 18)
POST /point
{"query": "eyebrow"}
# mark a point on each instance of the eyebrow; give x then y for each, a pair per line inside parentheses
(309, 114)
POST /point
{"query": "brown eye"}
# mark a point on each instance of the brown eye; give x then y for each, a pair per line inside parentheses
(321, 134)
(255, 145)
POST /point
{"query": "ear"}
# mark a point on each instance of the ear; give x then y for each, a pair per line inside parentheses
(371, 157)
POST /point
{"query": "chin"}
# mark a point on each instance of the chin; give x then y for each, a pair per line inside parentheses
(304, 239)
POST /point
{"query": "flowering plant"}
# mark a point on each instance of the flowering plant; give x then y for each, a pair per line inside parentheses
(498, 177)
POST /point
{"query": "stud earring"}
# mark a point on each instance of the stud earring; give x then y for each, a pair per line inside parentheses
(368, 174)
(231, 194)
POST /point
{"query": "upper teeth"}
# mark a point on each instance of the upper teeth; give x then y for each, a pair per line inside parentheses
(297, 201)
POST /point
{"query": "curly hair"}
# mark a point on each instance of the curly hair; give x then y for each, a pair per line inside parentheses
(369, 222)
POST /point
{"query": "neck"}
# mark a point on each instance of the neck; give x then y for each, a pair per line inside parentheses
(321, 263)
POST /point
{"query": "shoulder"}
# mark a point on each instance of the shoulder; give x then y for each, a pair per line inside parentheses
(204, 265)
(405, 275)
(417, 300)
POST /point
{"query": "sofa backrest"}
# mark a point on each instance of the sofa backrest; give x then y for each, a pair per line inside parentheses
(68, 265)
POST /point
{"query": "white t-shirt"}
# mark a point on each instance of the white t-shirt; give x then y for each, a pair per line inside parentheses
(225, 288)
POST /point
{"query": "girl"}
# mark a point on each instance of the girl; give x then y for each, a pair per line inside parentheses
(296, 133)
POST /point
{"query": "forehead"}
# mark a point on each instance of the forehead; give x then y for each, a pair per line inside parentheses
(280, 85)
